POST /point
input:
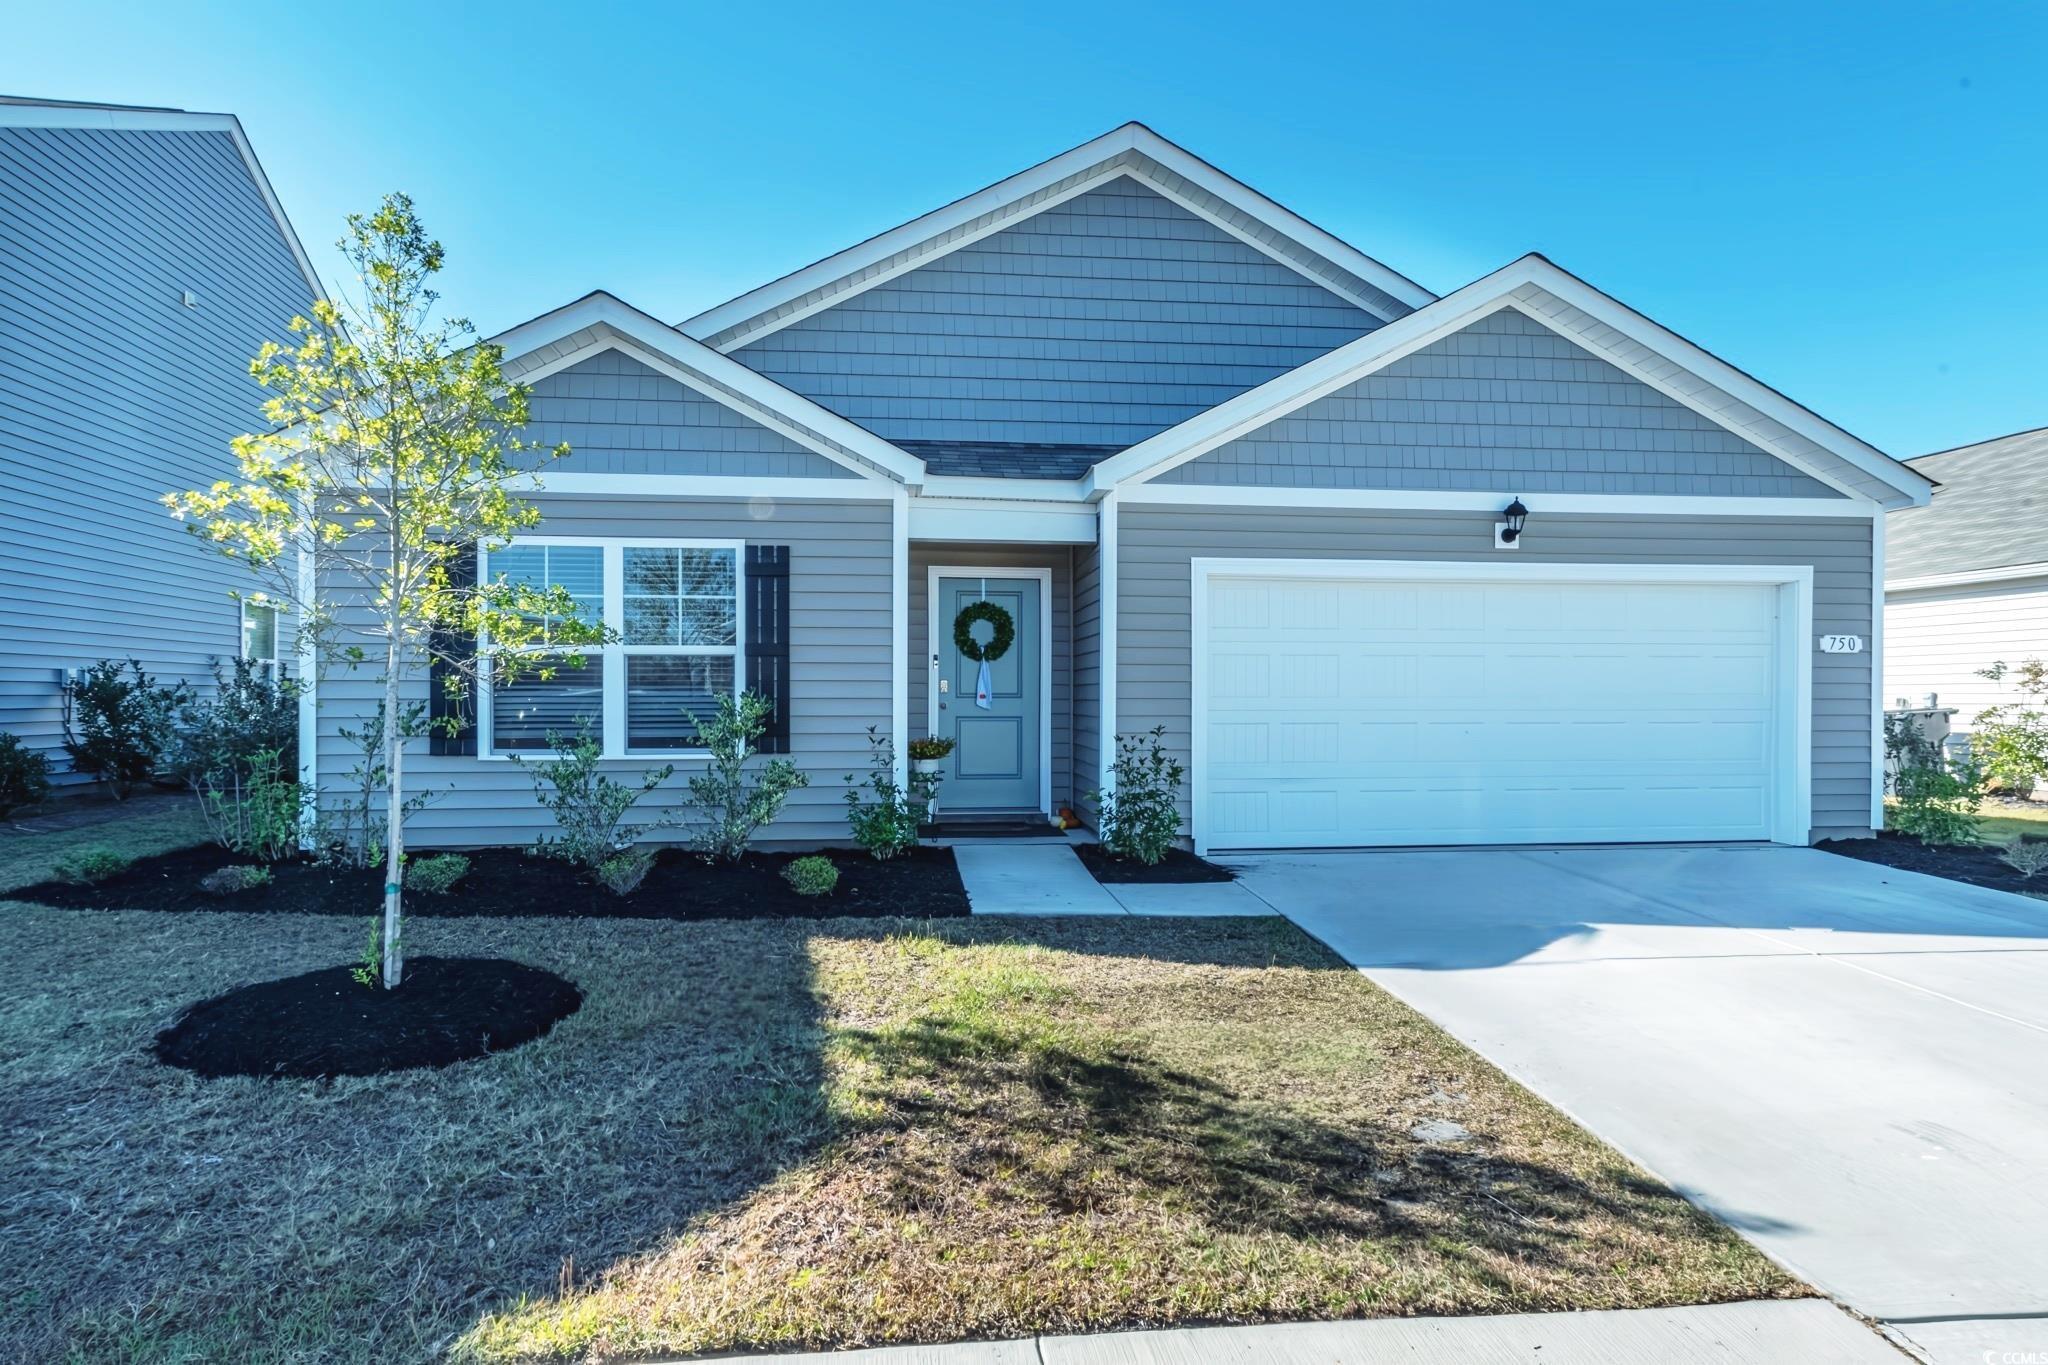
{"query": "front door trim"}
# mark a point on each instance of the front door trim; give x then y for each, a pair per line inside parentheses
(931, 691)
(1793, 813)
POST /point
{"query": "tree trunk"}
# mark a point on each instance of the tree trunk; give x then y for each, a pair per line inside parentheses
(394, 816)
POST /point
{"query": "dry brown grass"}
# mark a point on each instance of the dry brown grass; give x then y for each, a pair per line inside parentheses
(760, 1134)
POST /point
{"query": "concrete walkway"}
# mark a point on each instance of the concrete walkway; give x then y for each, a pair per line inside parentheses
(1847, 1063)
(1804, 1332)
(1029, 877)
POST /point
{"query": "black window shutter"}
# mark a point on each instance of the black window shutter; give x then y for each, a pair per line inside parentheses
(450, 691)
(765, 634)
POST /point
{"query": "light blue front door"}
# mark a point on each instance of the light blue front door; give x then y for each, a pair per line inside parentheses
(995, 762)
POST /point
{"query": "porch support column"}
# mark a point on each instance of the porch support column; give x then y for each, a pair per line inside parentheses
(899, 629)
(1106, 551)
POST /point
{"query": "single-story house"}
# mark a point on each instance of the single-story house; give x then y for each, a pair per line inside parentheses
(143, 260)
(1509, 564)
(1966, 577)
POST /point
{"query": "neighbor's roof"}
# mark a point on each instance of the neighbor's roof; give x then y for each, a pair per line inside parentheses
(1987, 513)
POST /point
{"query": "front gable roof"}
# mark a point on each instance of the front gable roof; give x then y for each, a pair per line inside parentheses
(1602, 325)
(1132, 150)
(597, 321)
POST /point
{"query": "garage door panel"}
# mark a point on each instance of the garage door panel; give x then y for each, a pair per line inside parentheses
(1418, 713)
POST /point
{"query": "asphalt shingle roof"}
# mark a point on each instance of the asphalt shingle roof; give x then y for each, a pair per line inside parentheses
(1007, 459)
(1989, 513)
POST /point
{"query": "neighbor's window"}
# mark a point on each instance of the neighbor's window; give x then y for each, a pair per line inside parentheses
(259, 634)
(676, 610)
(526, 710)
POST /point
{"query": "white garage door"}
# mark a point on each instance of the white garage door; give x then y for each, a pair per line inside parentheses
(1339, 711)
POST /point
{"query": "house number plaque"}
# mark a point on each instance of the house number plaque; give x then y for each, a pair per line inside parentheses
(1841, 644)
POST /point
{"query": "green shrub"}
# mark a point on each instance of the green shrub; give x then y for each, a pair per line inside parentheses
(812, 876)
(590, 806)
(91, 865)
(1139, 816)
(254, 807)
(435, 875)
(729, 808)
(251, 712)
(2028, 857)
(226, 881)
(1906, 745)
(1939, 804)
(122, 723)
(623, 872)
(885, 822)
(2011, 739)
(24, 775)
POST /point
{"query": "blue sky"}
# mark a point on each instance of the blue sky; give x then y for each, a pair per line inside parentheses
(1848, 201)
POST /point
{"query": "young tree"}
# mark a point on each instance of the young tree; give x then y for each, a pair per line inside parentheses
(387, 462)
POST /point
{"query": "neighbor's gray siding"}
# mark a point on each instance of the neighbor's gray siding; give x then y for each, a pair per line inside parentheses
(923, 556)
(113, 392)
(1087, 675)
(618, 416)
(1157, 544)
(1506, 405)
(839, 596)
(1102, 320)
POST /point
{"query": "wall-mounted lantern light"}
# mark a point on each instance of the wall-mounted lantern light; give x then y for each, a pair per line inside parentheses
(1507, 532)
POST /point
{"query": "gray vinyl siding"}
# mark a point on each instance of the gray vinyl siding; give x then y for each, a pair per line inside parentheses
(1101, 320)
(113, 392)
(923, 556)
(1087, 674)
(1940, 641)
(1507, 405)
(618, 416)
(1157, 544)
(840, 561)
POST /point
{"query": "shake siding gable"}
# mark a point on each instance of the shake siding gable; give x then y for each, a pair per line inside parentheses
(1099, 321)
(1505, 404)
(114, 392)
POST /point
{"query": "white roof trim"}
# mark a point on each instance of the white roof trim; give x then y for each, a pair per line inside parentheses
(1964, 578)
(1109, 153)
(692, 362)
(59, 115)
(1510, 287)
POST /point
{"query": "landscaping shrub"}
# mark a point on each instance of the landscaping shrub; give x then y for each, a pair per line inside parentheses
(884, 823)
(729, 809)
(812, 876)
(226, 881)
(2011, 740)
(590, 806)
(91, 865)
(24, 775)
(1939, 804)
(1906, 745)
(623, 872)
(436, 875)
(349, 830)
(122, 727)
(2028, 857)
(250, 713)
(253, 807)
(1139, 817)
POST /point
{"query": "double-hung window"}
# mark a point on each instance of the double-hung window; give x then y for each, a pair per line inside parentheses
(672, 610)
(259, 635)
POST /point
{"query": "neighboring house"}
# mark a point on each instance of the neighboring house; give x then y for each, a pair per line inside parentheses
(1228, 476)
(143, 260)
(1966, 577)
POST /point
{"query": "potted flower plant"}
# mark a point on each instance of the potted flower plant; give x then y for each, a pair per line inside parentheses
(926, 756)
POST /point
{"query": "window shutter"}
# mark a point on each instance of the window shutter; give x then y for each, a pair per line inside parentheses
(766, 637)
(450, 651)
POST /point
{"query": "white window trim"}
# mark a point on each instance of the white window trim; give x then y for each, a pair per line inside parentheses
(275, 658)
(616, 653)
(1792, 788)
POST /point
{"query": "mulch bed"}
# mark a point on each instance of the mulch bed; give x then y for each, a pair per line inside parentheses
(326, 1023)
(923, 883)
(1976, 864)
(1177, 867)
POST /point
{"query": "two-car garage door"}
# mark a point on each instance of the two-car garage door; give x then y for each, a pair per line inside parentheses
(1350, 707)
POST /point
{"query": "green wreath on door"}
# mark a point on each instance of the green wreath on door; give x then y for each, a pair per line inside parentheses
(1004, 625)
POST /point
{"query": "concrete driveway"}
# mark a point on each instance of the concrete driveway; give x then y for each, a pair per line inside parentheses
(1847, 1063)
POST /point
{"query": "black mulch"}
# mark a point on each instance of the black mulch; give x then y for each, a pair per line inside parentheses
(510, 882)
(1178, 866)
(1972, 863)
(326, 1023)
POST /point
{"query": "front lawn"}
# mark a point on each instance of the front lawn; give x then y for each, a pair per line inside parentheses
(776, 1132)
